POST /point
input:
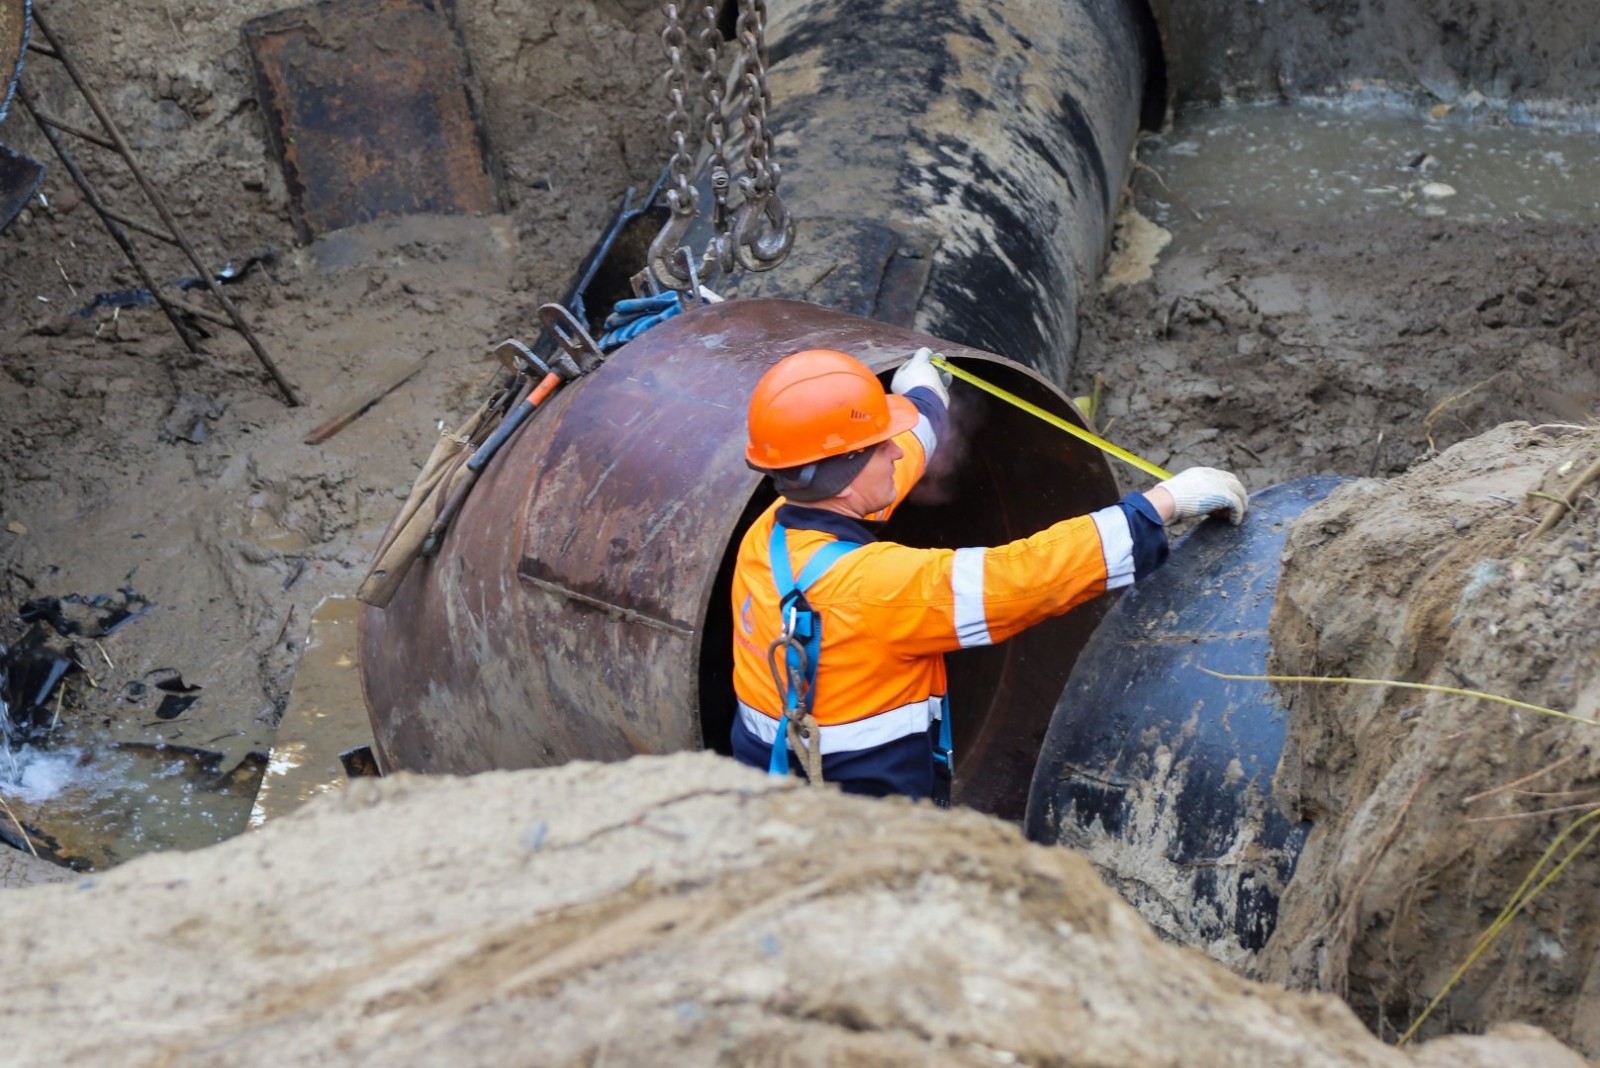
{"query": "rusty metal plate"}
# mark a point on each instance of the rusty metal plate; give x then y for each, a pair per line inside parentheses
(19, 178)
(369, 109)
(13, 46)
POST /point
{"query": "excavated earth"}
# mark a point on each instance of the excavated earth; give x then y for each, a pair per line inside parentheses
(667, 910)
(681, 909)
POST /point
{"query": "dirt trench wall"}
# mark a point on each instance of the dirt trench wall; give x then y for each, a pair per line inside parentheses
(1425, 803)
(1529, 51)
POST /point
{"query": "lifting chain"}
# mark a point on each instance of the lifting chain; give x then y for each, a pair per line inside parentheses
(683, 197)
(716, 126)
(758, 234)
(763, 230)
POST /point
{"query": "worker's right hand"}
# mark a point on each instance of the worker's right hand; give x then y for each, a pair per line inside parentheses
(1200, 491)
(920, 371)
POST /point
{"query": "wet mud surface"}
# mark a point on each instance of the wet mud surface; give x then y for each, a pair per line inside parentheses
(1278, 344)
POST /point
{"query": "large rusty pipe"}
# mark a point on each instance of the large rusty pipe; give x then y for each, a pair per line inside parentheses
(578, 607)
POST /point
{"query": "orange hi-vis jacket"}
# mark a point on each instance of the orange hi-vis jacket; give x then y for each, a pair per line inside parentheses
(890, 612)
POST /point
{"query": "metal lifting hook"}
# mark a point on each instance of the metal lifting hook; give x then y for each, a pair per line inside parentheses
(662, 258)
(763, 231)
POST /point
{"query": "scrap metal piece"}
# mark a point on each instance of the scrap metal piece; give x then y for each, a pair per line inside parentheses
(19, 179)
(369, 112)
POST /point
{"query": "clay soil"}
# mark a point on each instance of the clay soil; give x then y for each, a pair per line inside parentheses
(1386, 348)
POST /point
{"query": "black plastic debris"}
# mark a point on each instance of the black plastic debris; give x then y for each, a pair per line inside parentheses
(20, 177)
(119, 298)
(177, 695)
(360, 762)
(47, 610)
(30, 671)
(92, 615)
(229, 273)
(174, 705)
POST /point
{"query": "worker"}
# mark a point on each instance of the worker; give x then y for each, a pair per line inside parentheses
(831, 621)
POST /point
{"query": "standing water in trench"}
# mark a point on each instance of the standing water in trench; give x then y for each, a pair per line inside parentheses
(1333, 160)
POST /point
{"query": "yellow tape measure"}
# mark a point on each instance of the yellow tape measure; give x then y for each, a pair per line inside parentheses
(1056, 421)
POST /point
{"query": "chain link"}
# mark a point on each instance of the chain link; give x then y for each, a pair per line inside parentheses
(716, 122)
(762, 174)
(683, 196)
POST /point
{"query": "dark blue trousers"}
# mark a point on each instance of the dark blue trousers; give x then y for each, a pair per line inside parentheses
(903, 766)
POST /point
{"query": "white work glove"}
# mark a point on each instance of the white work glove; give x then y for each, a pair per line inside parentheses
(920, 371)
(1200, 491)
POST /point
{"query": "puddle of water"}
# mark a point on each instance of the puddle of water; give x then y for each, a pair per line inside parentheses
(33, 776)
(326, 716)
(89, 806)
(89, 802)
(1293, 159)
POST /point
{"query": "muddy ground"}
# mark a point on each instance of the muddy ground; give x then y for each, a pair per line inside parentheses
(1276, 346)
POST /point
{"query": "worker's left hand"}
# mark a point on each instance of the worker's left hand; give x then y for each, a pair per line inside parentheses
(920, 371)
(1199, 491)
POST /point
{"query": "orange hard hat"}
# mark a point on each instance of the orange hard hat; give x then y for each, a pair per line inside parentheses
(820, 403)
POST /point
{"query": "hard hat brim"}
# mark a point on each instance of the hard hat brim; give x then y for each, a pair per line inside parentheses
(903, 415)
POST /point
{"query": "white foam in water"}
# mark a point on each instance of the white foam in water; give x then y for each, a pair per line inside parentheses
(34, 777)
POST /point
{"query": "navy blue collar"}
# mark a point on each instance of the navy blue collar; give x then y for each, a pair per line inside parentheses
(799, 517)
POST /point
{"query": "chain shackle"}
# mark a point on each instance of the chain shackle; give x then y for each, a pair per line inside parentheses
(763, 230)
(663, 260)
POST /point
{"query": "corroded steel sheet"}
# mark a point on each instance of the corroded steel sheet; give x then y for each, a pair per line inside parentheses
(578, 608)
(13, 46)
(369, 109)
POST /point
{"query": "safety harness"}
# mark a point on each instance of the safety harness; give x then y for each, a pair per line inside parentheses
(800, 642)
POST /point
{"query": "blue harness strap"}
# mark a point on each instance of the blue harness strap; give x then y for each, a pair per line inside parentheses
(801, 635)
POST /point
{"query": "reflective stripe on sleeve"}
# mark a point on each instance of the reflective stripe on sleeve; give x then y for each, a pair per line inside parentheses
(926, 435)
(1116, 544)
(880, 729)
(966, 582)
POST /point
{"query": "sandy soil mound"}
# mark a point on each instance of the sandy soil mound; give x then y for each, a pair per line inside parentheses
(1433, 808)
(663, 911)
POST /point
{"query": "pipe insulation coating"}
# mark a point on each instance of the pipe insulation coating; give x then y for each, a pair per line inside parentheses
(954, 165)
